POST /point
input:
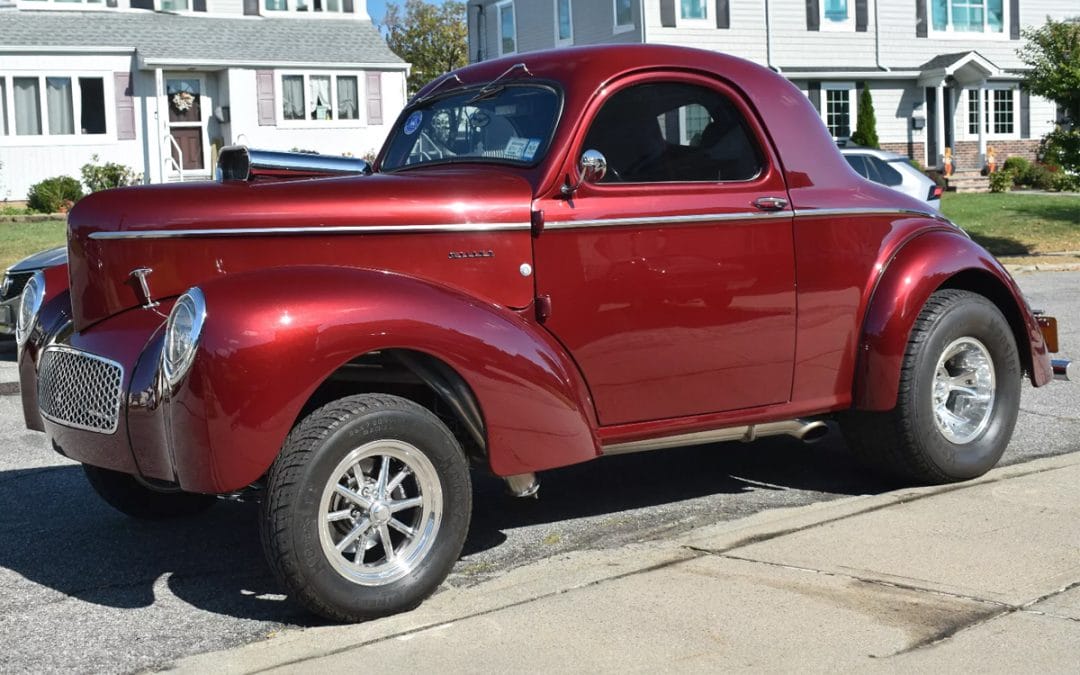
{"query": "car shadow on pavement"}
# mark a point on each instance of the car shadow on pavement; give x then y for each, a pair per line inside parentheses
(8, 349)
(60, 536)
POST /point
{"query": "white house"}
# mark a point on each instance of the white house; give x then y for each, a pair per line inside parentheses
(931, 65)
(160, 85)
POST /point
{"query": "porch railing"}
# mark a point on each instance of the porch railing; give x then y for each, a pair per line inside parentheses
(176, 162)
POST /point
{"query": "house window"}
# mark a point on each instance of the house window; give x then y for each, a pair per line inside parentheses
(624, 15)
(174, 5)
(835, 15)
(52, 106)
(693, 9)
(320, 98)
(999, 108)
(564, 23)
(327, 6)
(839, 110)
(967, 16)
(507, 28)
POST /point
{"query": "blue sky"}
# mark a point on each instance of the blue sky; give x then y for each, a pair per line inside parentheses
(377, 8)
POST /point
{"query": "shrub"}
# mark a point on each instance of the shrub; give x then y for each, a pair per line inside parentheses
(54, 194)
(866, 122)
(1001, 181)
(1061, 147)
(109, 175)
(1065, 182)
(1017, 166)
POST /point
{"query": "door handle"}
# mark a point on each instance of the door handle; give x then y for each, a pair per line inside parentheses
(770, 203)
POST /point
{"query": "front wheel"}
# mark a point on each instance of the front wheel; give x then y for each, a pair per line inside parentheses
(958, 399)
(367, 507)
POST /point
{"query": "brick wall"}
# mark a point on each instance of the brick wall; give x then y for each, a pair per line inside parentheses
(966, 153)
(912, 150)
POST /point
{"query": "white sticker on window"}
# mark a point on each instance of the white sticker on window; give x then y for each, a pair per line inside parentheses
(530, 149)
(515, 147)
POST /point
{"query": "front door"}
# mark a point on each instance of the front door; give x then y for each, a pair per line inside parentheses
(188, 111)
(673, 292)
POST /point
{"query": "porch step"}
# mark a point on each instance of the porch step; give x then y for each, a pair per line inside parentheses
(968, 181)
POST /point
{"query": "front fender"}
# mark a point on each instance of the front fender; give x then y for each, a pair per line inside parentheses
(926, 263)
(271, 337)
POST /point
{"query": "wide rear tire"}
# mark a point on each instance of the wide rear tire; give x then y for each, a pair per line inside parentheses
(367, 507)
(958, 399)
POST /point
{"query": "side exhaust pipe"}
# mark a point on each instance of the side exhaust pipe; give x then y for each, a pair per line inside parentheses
(1062, 368)
(522, 485)
(808, 431)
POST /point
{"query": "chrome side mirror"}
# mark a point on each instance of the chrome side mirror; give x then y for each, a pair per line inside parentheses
(592, 167)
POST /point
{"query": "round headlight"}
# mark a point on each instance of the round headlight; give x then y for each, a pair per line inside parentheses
(29, 305)
(182, 334)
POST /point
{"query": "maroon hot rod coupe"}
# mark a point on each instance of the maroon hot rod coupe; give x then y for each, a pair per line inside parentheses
(558, 256)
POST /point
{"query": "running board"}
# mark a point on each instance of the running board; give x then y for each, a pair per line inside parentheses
(805, 430)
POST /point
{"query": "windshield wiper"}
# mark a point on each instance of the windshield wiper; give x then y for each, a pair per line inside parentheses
(451, 76)
(493, 88)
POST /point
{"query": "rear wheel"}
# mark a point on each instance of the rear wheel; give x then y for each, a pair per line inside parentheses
(958, 399)
(367, 507)
(126, 494)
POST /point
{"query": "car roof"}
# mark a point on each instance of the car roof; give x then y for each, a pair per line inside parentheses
(886, 155)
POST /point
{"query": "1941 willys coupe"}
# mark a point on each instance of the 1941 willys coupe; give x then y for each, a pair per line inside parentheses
(558, 256)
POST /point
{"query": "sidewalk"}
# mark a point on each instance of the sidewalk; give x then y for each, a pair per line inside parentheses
(983, 576)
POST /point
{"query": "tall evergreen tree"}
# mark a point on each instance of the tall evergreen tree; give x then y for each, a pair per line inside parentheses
(866, 125)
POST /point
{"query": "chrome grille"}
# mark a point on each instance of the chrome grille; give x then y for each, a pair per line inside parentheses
(80, 390)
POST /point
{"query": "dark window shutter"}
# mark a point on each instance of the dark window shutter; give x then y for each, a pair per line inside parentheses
(347, 5)
(111, 3)
(920, 18)
(862, 16)
(142, 4)
(723, 14)
(264, 93)
(198, 5)
(251, 7)
(125, 106)
(814, 89)
(667, 13)
(1025, 113)
(1014, 19)
(813, 15)
(374, 98)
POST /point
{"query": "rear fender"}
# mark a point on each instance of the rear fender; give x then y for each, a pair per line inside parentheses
(925, 264)
(271, 338)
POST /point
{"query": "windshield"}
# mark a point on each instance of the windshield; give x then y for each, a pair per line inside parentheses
(507, 123)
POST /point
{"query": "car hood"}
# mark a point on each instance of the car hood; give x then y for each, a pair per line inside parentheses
(41, 260)
(189, 233)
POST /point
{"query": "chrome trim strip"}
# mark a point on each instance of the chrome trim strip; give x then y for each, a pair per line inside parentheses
(798, 428)
(119, 390)
(668, 220)
(865, 211)
(294, 231)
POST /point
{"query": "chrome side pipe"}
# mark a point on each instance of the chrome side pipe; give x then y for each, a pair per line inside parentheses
(522, 485)
(1061, 369)
(807, 431)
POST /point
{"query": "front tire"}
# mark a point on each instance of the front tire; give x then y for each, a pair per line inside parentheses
(367, 507)
(958, 399)
(127, 495)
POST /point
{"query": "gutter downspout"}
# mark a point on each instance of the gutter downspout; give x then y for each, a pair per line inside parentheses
(644, 35)
(768, 39)
(877, 40)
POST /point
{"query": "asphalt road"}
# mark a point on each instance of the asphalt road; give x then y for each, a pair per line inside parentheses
(82, 588)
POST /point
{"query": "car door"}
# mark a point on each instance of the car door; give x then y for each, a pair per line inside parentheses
(671, 281)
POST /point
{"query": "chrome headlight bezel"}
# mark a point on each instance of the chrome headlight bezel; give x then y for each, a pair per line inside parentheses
(33, 296)
(182, 332)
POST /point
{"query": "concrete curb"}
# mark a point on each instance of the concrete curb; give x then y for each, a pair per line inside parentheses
(547, 579)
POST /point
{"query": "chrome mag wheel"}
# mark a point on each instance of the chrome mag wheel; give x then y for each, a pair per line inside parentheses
(380, 512)
(963, 390)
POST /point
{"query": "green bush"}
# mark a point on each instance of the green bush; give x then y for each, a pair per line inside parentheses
(1001, 181)
(109, 175)
(1064, 182)
(1061, 148)
(53, 194)
(866, 122)
(1017, 166)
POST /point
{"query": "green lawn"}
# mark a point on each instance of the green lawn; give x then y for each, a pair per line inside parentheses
(18, 240)
(1016, 224)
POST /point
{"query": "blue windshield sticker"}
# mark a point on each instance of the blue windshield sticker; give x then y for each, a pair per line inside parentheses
(413, 123)
(530, 149)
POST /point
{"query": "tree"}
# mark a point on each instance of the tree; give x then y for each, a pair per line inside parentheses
(433, 39)
(1053, 52)
(866, 124)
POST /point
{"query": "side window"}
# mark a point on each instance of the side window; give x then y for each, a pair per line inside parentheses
(671, 131)
(857, 162)
(889, 175)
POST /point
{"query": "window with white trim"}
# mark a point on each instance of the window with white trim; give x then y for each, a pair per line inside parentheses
(52, 105)
(999, 112)
(838, 109)
(306, 6)
(564, 23)
(693, 10)
(320, 98)
(836, 15)
(507, 27)
(968, 16)
(174, 5)
(624, 15)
